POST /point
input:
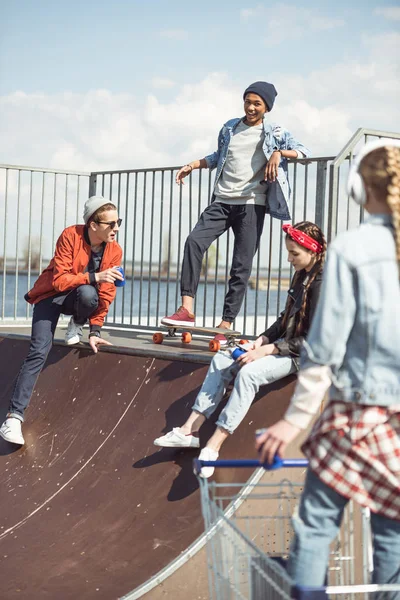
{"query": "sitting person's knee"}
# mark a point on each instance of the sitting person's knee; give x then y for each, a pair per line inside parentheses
(88, 296)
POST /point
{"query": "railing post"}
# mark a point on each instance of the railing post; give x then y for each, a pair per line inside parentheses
(333, 201)
(320, 196)
(92, 184)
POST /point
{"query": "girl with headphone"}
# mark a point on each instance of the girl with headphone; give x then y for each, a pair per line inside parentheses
(353, 349)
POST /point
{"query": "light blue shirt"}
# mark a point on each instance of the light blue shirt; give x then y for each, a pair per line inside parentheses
(356, 327)
(275, 138)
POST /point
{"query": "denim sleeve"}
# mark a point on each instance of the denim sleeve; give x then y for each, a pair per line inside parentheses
(212, 159)
(334, 316)
(288, 142)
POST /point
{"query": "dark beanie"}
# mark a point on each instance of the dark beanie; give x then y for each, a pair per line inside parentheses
(265, 90)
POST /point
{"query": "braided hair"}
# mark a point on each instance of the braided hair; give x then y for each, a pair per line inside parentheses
(315, 232)
(380, 170)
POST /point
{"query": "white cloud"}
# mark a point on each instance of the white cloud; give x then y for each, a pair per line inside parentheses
(100, 130)
(283, 22)
(389, 12)
(162, 83)
(174, 34)
(247, 13)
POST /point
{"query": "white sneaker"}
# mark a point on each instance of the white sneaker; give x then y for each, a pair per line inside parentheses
(176, 439)
(11, 431)
(207, 454)
(74, 333)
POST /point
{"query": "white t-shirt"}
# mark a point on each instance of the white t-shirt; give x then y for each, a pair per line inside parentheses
(243, 170)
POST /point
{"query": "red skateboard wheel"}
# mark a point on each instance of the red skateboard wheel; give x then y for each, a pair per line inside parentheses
(214, 346)
(186, 337)
(158, 337)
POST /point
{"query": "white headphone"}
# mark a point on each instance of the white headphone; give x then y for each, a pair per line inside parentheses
(355, 183)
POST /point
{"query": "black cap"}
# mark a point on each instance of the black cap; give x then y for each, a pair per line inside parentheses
(265, 90)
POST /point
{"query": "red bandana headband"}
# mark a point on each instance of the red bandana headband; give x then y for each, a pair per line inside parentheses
(302, 238)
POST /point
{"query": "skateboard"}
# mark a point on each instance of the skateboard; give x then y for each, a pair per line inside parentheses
(186, 335)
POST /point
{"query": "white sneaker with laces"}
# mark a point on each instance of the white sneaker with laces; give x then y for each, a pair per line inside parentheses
(177, 439)
(11, 431)
(207, 454)
(74, 333)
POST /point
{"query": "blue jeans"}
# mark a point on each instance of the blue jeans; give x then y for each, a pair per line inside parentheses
(317, 523)
(248, 380)
(81, 303)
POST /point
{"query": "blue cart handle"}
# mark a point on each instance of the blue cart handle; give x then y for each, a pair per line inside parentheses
(277, 463)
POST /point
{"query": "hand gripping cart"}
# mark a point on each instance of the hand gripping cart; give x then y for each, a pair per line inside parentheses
(248, 533)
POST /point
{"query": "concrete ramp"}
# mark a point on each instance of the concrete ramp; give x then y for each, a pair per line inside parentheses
(89, 507)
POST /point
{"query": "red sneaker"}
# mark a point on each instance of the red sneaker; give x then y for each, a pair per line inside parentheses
(182, 317)
(221, 339)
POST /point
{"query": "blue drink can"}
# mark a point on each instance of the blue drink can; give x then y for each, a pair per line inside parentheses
(238, 352)
(118, 282)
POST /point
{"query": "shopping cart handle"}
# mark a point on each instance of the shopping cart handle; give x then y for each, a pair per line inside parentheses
(278, 463)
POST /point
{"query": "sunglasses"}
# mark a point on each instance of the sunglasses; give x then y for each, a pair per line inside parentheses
(111, 224)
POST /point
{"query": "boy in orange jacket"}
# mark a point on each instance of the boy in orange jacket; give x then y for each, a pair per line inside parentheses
(79, 281)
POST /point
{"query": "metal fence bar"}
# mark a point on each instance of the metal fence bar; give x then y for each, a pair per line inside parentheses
(320, 193)
(169, 241)
(124, 254)
(160, 249)
(77, 199)
(53, 231)
(149, 274)
(178, 259)
(66, 201)
(142, 244)
(29, 238)
(3, 293)
(305, 193)
(268, 296)
(133, 246)
(16, 248)
(41, 223)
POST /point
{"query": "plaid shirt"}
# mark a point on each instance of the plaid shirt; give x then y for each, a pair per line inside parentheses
(355, 449)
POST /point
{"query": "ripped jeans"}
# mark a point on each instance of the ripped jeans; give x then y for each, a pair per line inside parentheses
(317, 522)
(248, 380)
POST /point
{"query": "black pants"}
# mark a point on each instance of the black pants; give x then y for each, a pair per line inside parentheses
(81, 303)
(247, 222)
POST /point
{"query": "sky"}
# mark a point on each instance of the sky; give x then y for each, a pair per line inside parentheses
(91, 85)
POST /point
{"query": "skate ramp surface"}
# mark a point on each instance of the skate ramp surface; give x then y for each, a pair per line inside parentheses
(89, 507)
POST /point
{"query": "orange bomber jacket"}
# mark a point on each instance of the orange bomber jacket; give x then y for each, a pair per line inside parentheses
(68, 270)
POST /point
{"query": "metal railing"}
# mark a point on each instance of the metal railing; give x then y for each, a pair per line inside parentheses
(157, 217)
(342, 212)
(35, 206)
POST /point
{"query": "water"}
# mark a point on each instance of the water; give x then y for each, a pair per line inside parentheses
(145, 302)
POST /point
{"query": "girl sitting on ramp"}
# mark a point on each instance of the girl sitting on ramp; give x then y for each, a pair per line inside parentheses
(272, 356)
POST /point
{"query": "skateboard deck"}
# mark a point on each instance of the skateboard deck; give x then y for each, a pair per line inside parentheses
(186, 336)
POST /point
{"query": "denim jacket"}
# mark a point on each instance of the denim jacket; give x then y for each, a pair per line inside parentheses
(276, 138)
(356, 327)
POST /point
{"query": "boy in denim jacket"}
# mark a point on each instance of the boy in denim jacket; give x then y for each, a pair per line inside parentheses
(251, 180)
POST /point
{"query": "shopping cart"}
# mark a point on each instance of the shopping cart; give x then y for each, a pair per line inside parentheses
(248, 529)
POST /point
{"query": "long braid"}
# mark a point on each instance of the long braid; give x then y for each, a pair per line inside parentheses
(393, 193)
(380, 170)
(315, 232)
